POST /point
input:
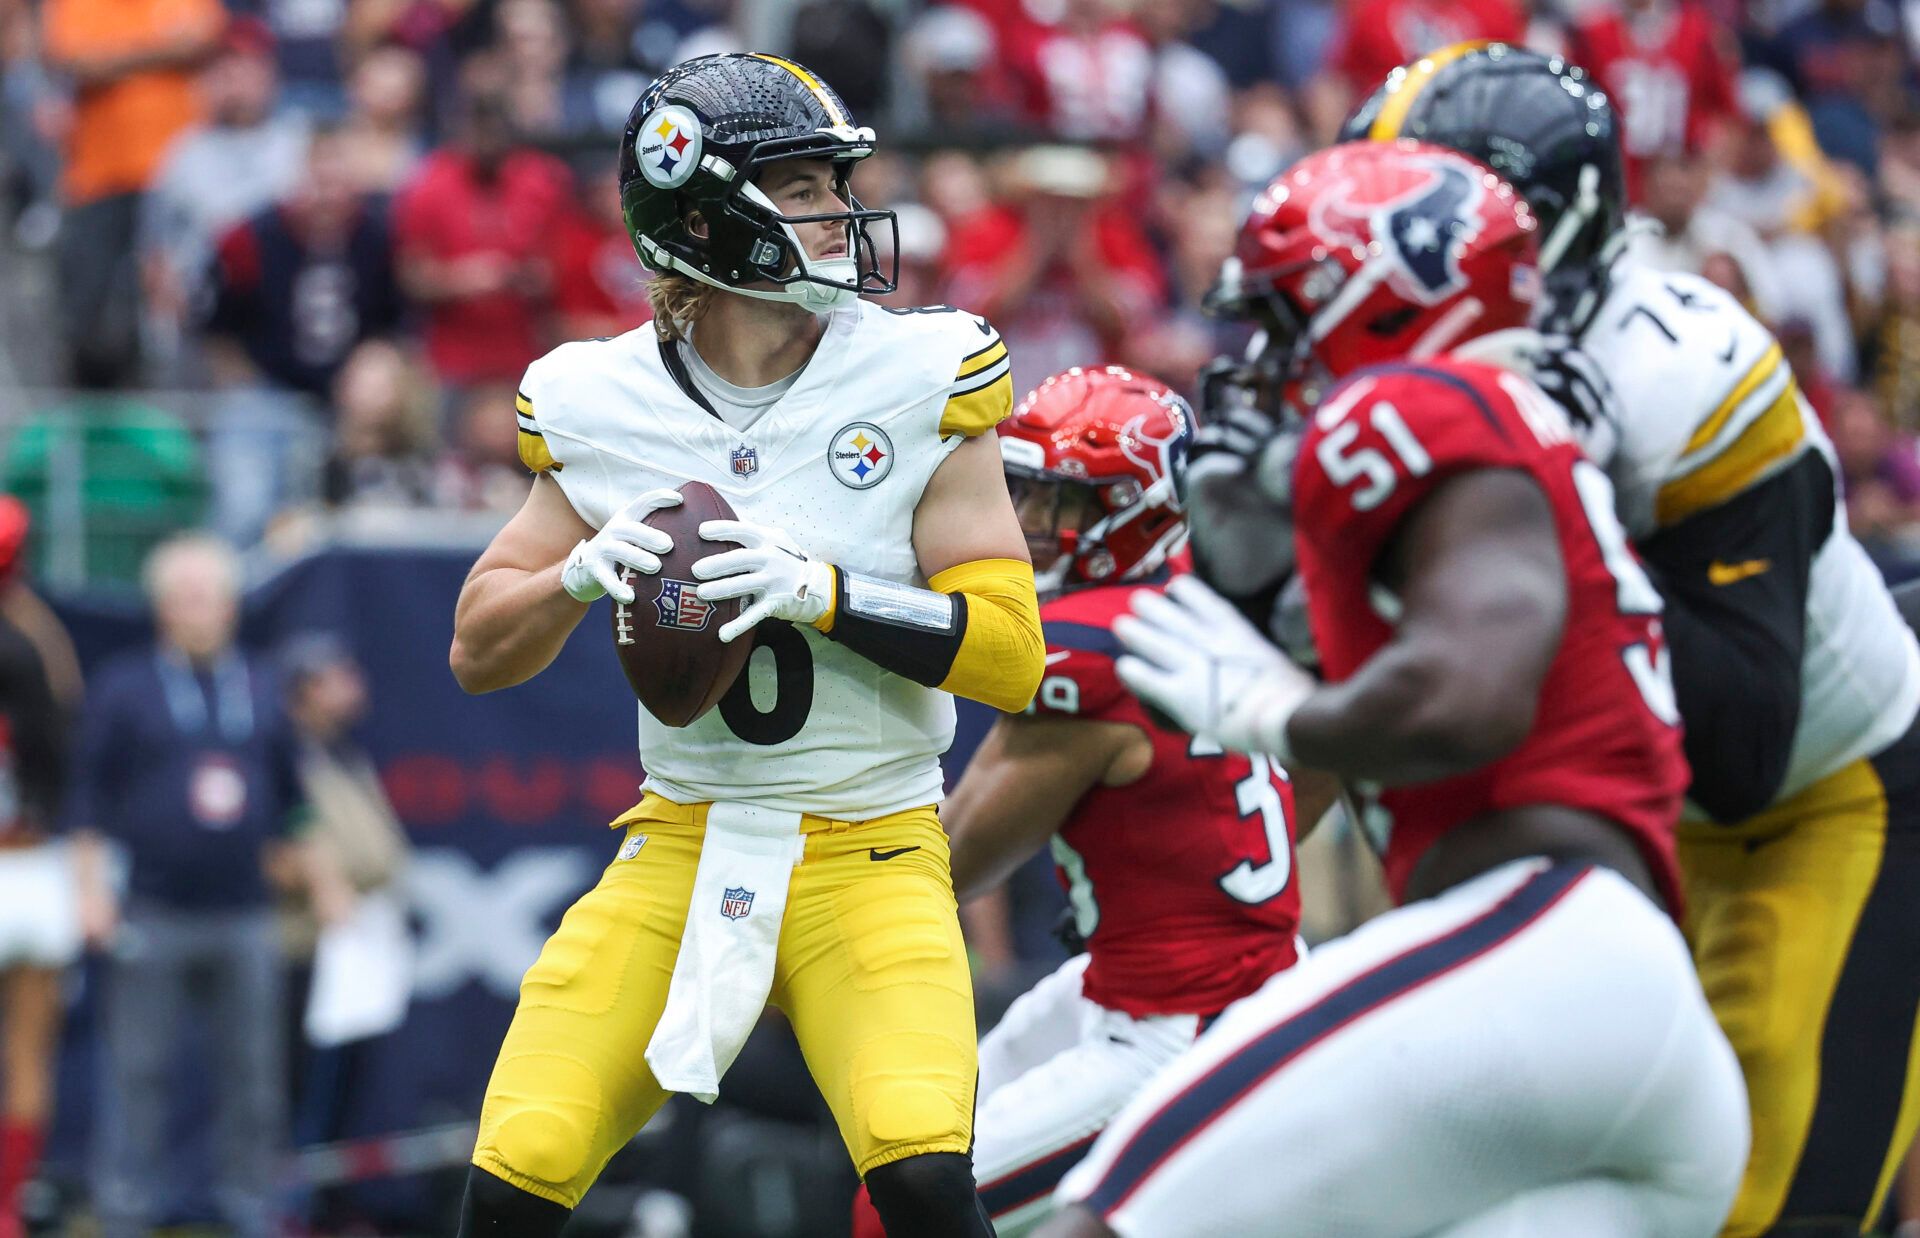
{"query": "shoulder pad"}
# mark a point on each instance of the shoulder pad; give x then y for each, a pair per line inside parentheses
(974, 369)
(1080, 680)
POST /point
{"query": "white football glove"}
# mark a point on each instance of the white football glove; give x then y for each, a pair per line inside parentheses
(769, 569)
(1193, 655)
(593, 569)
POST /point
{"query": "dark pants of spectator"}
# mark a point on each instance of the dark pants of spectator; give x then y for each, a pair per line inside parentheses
(227, 966)
(100, 289)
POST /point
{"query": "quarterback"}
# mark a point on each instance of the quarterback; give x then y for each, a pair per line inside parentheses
(786, 849)
(1798, 682)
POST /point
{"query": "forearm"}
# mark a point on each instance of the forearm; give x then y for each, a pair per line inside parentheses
(509, 626)
(975, 632)
(1405, 717)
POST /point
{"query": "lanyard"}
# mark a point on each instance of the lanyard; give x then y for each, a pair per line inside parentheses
(232, 687)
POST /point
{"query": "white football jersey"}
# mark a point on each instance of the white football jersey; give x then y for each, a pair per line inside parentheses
(1709, 408)
(839, 462)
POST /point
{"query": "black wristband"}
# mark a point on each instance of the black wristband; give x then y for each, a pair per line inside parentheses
(913, 632)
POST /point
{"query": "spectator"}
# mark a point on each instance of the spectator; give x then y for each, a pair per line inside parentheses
(1881, 474)
(1669, 69)
(481, 471)
(608, 66)
(1845, 59)
(39, 921)
(961, 89)
(131, 63)
(848, 43)
(296, 287)
(1692, 233)
(382, 130)
(1375, 37)
(243, 158)
(355, 846)
(1061, 268)
(531, 39)
(1190, 95)
(383, 445)
(473, 229)
(599, 287)
(1895, 341)
(1087, 78)
(187, 763)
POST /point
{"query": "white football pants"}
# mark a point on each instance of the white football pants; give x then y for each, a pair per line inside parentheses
(1526, 1055)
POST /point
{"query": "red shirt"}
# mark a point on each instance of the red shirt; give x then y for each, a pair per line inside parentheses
(598, 281)
(1670, 77)
(1182, 882)
(1377, 445)
(1378, 36)
(446, 212)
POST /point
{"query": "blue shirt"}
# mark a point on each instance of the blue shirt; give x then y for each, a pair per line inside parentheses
(192, 770)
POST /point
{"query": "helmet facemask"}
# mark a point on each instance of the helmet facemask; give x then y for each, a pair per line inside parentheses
(1068, 521)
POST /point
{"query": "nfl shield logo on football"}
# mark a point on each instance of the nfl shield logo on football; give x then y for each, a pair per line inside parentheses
(736, 902)
(680, 606)
(745, 460)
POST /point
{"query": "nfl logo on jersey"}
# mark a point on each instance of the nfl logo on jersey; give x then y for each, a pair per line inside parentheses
(736, 902)
(681, 607)
(745, 460)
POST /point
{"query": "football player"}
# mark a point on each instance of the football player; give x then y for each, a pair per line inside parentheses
(786, 848)
(1798, 683)
(1522, 1047)
(1176, 857)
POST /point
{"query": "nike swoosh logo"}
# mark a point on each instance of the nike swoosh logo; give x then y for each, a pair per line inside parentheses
(874, 853)
(1726, 358)
(1721, 574)
(1061, 656)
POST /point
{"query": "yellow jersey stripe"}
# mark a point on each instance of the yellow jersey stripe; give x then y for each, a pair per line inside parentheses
(977, 412)
(808, 80)
(1773, 436)
(1413, 80)
(522, 404)
(983, 360)
(534, 453)
(1762, 371)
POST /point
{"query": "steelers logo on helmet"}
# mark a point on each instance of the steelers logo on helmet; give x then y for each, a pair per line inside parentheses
(861, 455)
(668, 146)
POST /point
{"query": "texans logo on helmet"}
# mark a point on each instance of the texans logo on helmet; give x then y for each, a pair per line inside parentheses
(1423, 228)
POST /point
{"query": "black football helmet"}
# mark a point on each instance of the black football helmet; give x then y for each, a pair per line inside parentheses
(697, 140)
(1545, 127)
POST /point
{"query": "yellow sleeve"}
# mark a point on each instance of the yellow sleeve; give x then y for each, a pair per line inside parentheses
(1003, 651)
(1754, 431)
(533, 444)
(982, 393)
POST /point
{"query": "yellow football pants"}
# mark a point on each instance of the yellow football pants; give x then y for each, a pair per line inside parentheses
(871, 972)
(1805, 926)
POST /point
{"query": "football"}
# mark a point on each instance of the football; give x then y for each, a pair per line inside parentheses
(667, 638)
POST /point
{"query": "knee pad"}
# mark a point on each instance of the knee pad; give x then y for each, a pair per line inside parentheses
(493, 1208)
(554, 1140)
(929, 1196)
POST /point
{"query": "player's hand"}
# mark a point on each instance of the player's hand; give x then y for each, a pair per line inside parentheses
(1192, 655)
(770, 570)
(593, 569)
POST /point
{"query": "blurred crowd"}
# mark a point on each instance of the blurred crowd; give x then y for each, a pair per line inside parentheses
(347, 225)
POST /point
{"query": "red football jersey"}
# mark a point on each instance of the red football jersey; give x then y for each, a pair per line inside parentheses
(1375, 37)
(1181, 882)
(1606, 738)
(1670, 75)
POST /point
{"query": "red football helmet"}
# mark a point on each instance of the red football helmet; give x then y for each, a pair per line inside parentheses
(1091, 458)
(1371, 251)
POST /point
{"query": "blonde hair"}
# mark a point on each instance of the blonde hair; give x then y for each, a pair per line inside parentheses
(678, 302)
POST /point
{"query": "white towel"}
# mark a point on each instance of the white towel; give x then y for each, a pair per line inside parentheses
(725, 969)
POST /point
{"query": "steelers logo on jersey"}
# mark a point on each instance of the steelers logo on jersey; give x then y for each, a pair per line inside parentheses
(861, 455)
(668, 146)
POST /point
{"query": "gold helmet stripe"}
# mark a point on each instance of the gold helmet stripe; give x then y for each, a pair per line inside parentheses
(1413, 78)
(811, 82)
